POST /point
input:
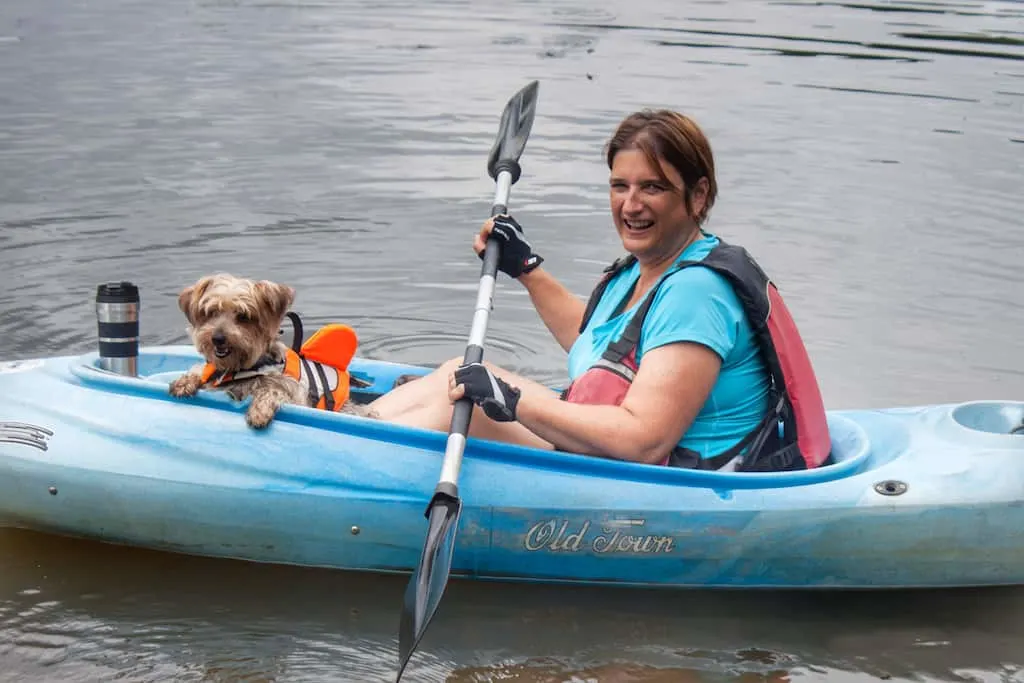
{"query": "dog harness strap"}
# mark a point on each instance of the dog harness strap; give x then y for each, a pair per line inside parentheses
(328, 394)
(217, 378)
(263, 366)
(314, 391)
(297, 335)
(211, 375)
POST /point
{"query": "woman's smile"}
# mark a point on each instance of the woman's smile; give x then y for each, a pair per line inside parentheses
(637, 224)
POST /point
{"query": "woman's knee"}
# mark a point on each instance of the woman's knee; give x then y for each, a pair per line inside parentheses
(440, 374)
(449, 365)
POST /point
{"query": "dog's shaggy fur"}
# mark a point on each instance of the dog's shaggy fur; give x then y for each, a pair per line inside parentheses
(235, 323)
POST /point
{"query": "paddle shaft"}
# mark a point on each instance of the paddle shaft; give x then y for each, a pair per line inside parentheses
(463, 410)
(426, 586)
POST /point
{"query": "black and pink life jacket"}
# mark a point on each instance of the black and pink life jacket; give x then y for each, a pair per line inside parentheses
(793, 433)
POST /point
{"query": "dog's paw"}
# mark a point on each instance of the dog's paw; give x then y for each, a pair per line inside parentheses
(260, 414)
(185, 386)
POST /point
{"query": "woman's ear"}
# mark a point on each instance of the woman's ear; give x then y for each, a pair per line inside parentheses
(699, 198)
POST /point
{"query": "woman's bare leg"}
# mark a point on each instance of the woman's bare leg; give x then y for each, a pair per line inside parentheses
(424, 403)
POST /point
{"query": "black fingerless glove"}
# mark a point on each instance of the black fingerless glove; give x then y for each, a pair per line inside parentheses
(517, 255)
(495, 396)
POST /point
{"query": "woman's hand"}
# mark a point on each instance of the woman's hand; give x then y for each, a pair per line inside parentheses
(455, 390)
(494, 395)
(517, 255)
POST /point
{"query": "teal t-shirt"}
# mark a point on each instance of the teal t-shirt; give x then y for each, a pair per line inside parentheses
(693, 305)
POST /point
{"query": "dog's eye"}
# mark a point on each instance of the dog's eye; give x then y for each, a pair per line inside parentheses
(243, 318)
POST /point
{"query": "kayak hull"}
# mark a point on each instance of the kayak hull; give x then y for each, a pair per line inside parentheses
(929, 496)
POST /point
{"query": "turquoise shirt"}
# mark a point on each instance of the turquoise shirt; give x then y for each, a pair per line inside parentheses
(693, 305)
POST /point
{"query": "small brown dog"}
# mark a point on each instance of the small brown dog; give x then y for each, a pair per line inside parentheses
(235, 324)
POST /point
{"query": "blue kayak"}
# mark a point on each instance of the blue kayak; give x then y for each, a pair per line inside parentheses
(914, 497)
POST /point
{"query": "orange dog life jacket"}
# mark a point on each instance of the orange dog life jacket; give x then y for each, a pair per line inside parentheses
(320, 366)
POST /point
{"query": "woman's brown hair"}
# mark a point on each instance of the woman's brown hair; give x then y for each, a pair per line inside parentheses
(668, 135)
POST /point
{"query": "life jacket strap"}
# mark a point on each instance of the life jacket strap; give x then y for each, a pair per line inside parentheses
(756, 439)
(610, 272)
(297, 336)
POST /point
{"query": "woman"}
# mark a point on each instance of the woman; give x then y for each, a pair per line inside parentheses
(689, 385)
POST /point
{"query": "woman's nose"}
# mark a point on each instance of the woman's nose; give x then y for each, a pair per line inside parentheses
(632, 203)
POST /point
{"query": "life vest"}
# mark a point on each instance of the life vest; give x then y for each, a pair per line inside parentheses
(320, 364)
(792, 435)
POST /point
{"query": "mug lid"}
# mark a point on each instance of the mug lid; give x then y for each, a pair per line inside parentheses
(117, 293)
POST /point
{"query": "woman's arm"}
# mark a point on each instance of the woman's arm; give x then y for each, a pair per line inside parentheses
(669, 389)
(668, 392)
(560, 309)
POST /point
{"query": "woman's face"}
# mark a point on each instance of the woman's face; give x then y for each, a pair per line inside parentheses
(650, 215)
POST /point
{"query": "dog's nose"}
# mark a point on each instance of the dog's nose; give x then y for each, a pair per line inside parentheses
(218, 339)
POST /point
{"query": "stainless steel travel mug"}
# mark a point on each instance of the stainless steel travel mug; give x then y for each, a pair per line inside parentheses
(117, 317)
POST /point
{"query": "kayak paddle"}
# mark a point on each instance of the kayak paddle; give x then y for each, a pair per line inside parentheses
(428, 581)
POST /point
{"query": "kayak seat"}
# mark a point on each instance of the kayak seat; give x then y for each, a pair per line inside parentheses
(850, 443)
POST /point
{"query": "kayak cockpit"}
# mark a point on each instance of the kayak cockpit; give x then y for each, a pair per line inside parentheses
(158, 366)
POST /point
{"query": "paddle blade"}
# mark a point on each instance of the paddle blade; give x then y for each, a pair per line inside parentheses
(514, 130)
(427, 584)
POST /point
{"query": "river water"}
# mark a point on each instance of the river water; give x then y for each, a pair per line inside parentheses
(870, 154)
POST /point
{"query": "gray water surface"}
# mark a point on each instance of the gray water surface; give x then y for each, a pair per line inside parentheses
(870, 154)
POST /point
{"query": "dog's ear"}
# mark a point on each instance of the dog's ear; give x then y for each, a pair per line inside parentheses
(274, 297)
(190, 296)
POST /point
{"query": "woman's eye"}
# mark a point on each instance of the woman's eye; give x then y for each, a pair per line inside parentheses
(653, 187)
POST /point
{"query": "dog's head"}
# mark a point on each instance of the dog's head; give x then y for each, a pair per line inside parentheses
(234, 321)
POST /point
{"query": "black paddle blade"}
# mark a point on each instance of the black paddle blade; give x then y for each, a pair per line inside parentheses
(516, 122)
(427, 584)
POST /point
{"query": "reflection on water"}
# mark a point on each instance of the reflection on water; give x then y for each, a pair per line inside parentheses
(869, 154)
(173, 617)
